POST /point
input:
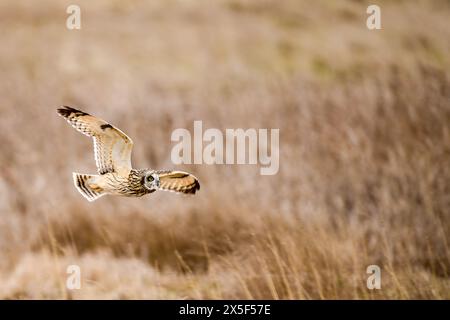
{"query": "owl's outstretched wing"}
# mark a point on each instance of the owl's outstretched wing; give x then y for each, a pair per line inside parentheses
(178, 181)
(112, 147)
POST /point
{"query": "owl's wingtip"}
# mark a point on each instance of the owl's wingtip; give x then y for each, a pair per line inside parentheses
(66, 111)
(195, 188)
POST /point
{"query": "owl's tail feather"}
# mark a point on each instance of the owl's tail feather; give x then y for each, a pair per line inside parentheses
(85, 183)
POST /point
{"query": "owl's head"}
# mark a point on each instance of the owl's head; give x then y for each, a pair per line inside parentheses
(151, 180)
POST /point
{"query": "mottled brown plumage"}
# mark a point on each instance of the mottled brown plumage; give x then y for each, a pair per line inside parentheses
(112, 150)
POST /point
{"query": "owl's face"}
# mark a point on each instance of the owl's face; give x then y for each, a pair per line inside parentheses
(151, 180)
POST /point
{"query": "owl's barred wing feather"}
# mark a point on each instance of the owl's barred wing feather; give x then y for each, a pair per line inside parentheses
(112, 147)
(178, 181)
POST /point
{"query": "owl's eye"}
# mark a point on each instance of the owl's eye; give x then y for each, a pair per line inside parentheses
(150, 179)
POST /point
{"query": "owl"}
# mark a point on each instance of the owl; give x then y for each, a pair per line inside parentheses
(112, 150)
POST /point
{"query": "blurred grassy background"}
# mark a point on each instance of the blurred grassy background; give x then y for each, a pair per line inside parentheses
(364, 120)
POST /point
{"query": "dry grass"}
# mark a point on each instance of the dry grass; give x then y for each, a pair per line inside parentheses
(364, 120)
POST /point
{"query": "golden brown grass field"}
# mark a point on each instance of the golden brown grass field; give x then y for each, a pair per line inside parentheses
(364, 119)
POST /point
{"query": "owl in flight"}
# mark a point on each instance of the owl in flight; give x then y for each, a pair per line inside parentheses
(112, 150)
